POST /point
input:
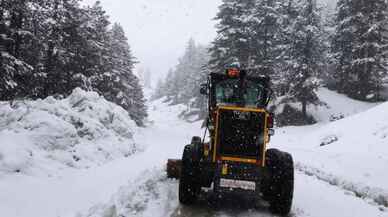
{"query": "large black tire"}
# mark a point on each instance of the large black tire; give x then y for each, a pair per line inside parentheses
(189, 187)
(280, 186)
(196, 142)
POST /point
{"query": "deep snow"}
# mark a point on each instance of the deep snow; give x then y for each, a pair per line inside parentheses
(345, 177)
(43, 137)
(351, 152)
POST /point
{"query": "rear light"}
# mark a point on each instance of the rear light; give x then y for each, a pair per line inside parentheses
(233, 72)
(270, 120)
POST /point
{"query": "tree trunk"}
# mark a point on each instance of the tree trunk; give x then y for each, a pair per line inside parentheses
(304, 109)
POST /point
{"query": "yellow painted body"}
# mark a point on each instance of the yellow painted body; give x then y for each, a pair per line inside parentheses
(236, 159)
(224, 169)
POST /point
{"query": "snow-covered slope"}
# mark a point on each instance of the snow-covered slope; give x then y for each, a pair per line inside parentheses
(351, 152)
(337, 106)
(44, 136)
(334, 106)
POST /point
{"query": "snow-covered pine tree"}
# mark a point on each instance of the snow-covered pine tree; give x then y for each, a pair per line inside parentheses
(58, 31)
(236, 39)
(187, 74)
(182, 83)
(370, 48)
(342, 46)
(250, 32)
(199, 101)
(119, 84)
(196, 74)
(170, 85)
(147, 78)
(267, 24)
(50, 47)
(189, 69)
(95, 55)
(359, 47)
(14, 70)
(159, 90)
(33, 46)
(288, 12)
(138, 108)
(306, 57)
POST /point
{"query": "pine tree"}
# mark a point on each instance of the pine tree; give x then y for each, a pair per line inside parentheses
(119, 84)
(269, 36)
(359, 47)
(236, 39)
(50, 47)
(306, 56)
(14, 70)
(369, 63)
(181, 85)
(159, 90)
(94, 54)
(288, 11)
(147, 78)
(187, 70)
(250, 33)
(341, 46)
(170, 85)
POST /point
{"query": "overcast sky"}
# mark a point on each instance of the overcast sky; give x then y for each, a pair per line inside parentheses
(158, 30)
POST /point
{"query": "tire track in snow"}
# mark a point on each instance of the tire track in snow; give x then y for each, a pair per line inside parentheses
(153, 194)
(373, 196)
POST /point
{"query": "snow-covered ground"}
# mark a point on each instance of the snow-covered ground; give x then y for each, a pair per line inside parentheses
(344, 177)
(351, 153)
(335, 106)
(46, 136)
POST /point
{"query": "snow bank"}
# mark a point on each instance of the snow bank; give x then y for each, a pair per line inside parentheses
(351, 153)
(79, 131)
(152, 194)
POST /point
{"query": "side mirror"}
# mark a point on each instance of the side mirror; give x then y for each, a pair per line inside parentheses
(203, 89)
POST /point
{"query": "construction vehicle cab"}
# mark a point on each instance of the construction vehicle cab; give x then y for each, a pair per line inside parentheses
(236, 159)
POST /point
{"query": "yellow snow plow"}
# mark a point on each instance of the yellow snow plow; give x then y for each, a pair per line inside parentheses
(236, 159)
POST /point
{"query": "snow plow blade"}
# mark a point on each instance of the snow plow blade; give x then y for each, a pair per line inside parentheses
(174, 168)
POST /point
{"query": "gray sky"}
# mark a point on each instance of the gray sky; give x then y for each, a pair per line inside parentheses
(158, 30)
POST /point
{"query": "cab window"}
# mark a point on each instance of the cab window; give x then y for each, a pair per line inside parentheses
(234, 92)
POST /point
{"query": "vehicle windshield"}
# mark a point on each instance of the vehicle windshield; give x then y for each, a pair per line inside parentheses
(235, 92)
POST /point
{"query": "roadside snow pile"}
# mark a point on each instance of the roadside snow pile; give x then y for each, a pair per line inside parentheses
(351, 152)
(152, 194)
(79, 131)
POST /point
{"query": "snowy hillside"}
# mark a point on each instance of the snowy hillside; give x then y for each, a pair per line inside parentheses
(351, 152)
(44, 136)
(336, 106)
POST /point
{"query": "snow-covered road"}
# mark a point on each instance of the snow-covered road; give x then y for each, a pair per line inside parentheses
(137, 185)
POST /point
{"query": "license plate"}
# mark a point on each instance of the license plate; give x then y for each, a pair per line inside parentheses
(230, 183)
